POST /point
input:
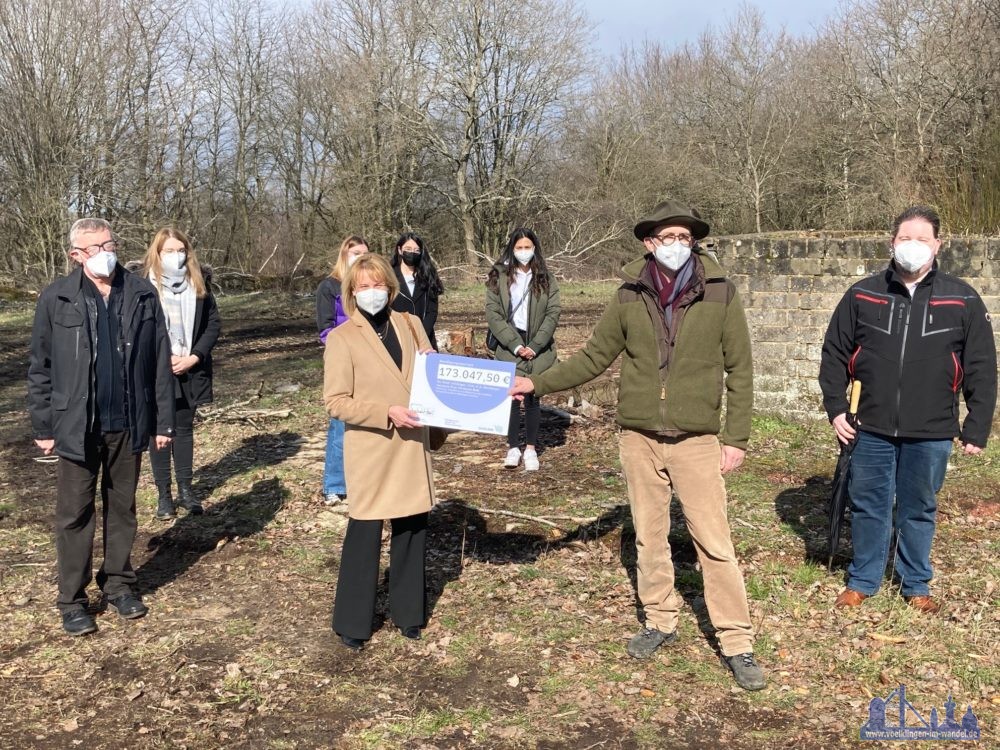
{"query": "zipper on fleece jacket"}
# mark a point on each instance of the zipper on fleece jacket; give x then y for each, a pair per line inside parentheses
(902, 353)
(663, 401)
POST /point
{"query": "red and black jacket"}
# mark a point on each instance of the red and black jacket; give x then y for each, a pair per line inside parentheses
(913, 356)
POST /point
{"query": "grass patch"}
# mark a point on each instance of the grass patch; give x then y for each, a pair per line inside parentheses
(239, 690)
(808, 573)
(240, 627)
(425, 724)
(529, 573)
(17, 317)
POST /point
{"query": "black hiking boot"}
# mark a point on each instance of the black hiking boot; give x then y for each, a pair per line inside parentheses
(165, 504)
(187, 500)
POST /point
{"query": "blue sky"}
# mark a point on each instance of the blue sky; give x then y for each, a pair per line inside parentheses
(618, 22)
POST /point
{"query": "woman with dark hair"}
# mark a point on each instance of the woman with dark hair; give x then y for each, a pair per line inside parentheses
(522, 309)
(330, 313)
(193, 324)
(419, 284)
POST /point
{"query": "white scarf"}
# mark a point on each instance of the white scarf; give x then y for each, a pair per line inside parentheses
(178, 300)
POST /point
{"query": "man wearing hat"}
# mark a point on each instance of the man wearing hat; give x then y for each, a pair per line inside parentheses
(685, 340)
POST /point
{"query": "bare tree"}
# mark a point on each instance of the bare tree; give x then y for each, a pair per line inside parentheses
(503, 72)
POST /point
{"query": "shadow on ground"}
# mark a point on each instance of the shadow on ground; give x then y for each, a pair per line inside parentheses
(804, 510)
(257, 451)
(191, 537)
(458, 532)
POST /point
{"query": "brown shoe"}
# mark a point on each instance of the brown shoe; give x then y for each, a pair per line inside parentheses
(924, 604)
(849, 598)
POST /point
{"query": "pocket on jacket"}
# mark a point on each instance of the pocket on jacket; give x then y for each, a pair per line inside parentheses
(694, 388)
(60, 401)
(69, 317)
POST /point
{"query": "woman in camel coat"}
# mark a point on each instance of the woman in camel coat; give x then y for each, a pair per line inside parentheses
(368, 369)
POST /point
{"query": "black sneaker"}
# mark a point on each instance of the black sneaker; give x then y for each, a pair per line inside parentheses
(412, 632)
(644, 643)
(78, 622)
(747, 671)
(129, 607)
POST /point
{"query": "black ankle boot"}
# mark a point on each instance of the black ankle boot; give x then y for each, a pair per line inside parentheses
(165, 505)
(187, 500)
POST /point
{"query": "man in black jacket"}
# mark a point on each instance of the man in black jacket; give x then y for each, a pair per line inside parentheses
(914, 337)
(99, 387)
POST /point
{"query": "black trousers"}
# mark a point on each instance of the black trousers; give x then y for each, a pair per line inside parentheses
(532, 414)
(354, 607)
(532, 420)
(110, 456)
(182, 449)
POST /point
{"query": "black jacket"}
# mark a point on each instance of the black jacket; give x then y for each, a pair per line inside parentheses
(61, 373)
(912, 356)
(423, 304)
(327, 301)
(196, 383)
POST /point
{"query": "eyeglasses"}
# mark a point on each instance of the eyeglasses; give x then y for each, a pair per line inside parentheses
(668, 238)
(109, 246)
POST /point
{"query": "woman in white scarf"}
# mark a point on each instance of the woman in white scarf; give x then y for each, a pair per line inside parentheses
(193, 325)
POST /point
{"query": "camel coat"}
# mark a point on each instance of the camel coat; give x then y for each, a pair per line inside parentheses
(388, 470)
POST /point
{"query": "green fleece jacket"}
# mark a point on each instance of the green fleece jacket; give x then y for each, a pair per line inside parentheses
(678, 391)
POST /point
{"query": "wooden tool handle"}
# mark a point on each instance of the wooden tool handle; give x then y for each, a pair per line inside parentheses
(855, 396)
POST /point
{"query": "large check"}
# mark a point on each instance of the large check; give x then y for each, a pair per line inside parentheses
(462, 393)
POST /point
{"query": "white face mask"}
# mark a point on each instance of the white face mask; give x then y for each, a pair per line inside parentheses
(102, 265)
(524, 256)
(352, 259)
(173, 261)
(912, 255)
(673, 256)
(372, 300)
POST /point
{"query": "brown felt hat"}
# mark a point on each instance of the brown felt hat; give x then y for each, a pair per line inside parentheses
(671, 212)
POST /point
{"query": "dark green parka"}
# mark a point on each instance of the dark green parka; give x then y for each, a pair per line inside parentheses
(543, 317)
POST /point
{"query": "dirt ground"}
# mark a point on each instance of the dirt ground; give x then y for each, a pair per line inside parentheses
(530, 588)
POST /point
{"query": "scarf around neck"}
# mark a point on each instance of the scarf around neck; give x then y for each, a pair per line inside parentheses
(669, 297)
(179, 304)
(174, 279)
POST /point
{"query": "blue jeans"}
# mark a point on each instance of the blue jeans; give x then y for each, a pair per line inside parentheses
(908, 472)
(333, 469)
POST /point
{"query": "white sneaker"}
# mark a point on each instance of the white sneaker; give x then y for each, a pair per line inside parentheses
(530, 460)
(513, 458)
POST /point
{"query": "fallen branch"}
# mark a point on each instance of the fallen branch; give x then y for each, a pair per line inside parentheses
(296, 267)
(264, 264)
(522, 516)
(230, 412)
(266, 414)
(544, 520)
(575, 519)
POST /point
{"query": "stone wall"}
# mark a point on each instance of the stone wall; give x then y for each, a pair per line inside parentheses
(790, 284)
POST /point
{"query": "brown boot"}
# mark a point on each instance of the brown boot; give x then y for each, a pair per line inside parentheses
(924, 604)
(849, 598)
